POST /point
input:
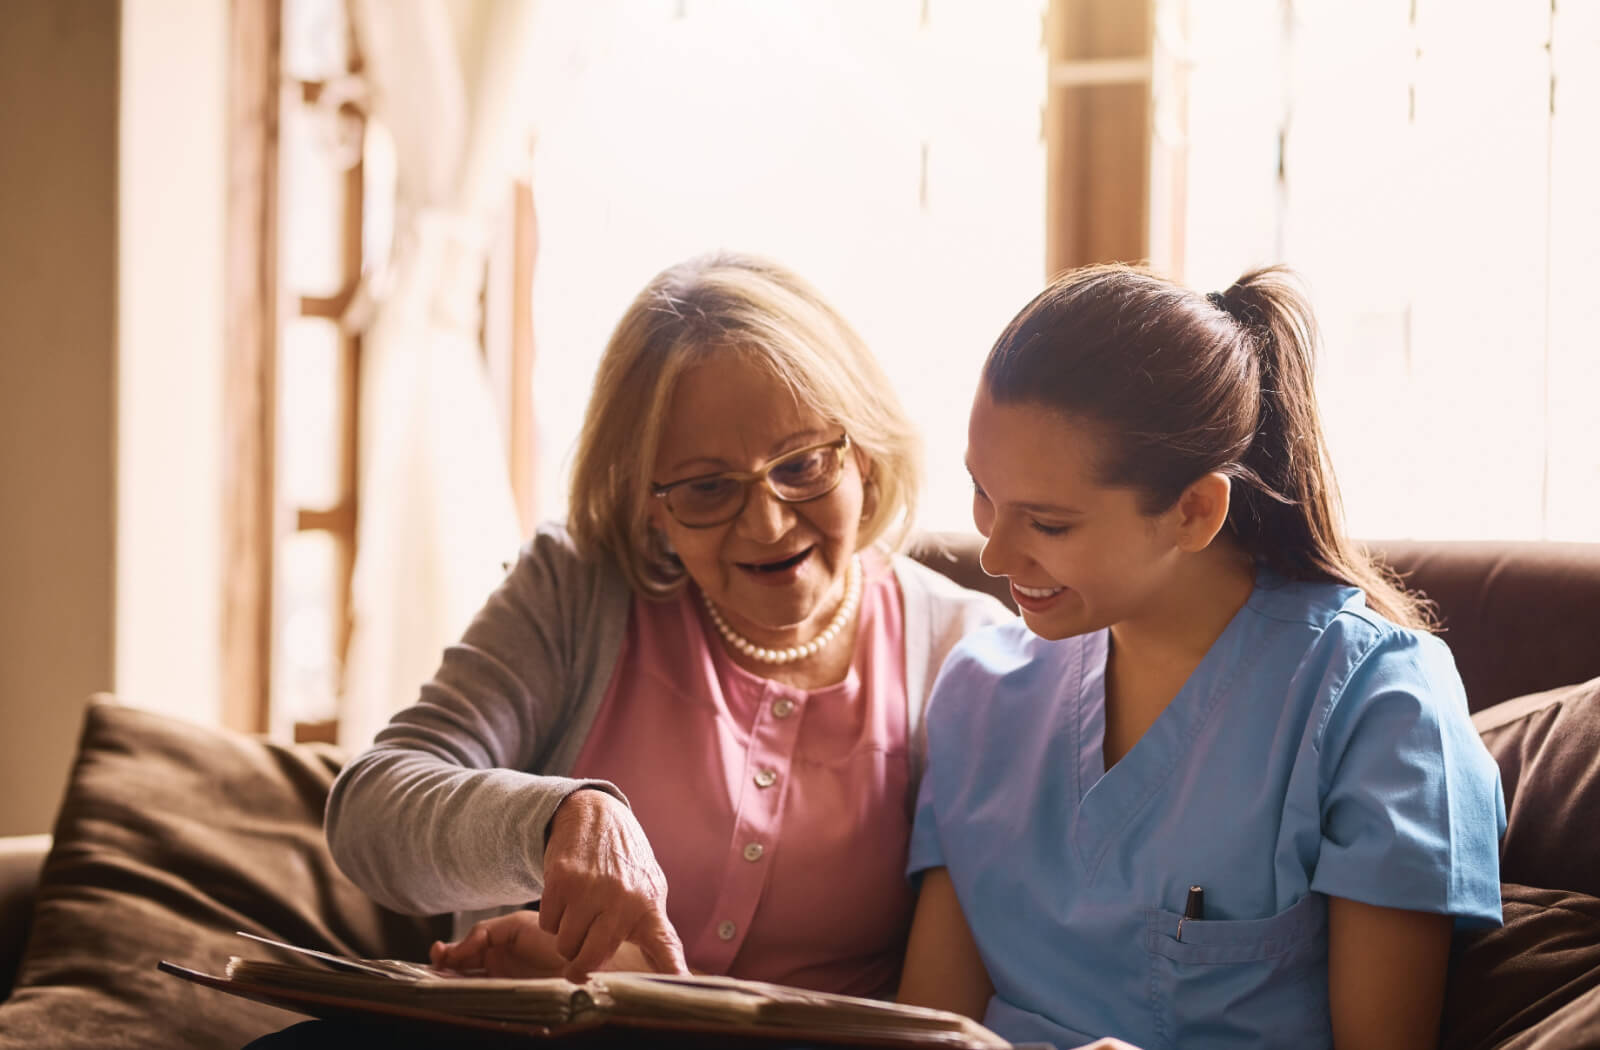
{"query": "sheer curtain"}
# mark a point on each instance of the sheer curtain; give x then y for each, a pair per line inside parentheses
(437, 518)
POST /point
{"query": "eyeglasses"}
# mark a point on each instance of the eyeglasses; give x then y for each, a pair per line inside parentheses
(712, 499)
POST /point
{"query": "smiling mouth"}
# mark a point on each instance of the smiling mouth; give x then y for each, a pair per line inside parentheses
(1036, 592)
(776, 566)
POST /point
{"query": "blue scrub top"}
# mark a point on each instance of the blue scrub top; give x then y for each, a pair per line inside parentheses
(1318, 750)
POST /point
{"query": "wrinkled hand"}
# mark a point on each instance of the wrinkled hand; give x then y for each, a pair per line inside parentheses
(602, 887)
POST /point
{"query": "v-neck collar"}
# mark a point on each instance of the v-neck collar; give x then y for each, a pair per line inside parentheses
(1107, 800)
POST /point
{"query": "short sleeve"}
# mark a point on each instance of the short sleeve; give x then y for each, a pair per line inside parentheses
(1412, 810)
(926, 850)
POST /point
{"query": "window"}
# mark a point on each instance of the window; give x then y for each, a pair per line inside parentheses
(311, 223)
(892, 154)
(1428, 167)
(295, 231)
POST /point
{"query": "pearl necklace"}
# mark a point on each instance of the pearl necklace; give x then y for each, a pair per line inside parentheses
(852, 596)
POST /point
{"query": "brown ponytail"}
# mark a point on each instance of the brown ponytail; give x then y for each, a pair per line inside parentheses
(1182, 385)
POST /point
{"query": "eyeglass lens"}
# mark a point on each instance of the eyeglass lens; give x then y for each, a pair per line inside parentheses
(804, 475)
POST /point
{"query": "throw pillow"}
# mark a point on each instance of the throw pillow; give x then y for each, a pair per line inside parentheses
(172, 837)
(1548, 748)
(1532, 980)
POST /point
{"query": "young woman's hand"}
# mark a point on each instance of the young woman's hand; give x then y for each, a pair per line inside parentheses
(603, 887)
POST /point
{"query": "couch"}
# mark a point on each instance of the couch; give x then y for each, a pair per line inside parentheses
(172, 836)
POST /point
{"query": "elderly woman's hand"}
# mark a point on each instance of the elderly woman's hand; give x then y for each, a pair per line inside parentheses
(603, 887)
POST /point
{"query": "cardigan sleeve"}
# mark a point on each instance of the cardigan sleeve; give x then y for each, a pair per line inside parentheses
(447, 811)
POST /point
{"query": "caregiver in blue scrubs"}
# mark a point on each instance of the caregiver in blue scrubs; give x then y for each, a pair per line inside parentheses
(1218, 788)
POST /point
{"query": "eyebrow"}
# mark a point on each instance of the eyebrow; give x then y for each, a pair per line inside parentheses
(798, 440)
(1050, 508)
(1057, 509)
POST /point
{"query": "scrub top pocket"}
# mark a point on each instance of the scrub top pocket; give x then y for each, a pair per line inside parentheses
(1275, 968)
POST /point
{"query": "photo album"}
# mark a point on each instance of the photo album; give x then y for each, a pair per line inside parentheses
(552, 1008)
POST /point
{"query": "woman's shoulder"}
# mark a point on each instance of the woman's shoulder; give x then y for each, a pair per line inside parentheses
(1334, 618)
(944, 597)
(550, 565)
(552, 540)
(551, 549)
(1006, 649)
(1001, 688)
(1002, 666)
(1341, 654)
(1357, 662)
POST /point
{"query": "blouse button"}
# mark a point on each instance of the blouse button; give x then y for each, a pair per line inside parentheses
(765, 778)
(753, 851)
(726, 929)
(783, 708)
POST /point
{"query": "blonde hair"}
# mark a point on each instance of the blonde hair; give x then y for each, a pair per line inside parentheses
(711, 305)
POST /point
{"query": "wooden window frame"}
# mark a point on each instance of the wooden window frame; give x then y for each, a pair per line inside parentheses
(340, 520)
(255, 312)
(1114, 186)
(256, 309)
(250, 362)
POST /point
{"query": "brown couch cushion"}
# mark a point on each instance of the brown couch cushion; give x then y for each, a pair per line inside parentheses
(171, 837)
(1534, 982)
(1548, 747)
(1519, 617)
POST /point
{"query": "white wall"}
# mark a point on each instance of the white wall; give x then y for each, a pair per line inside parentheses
(1446, 223)
(170, 269)
(797, 131)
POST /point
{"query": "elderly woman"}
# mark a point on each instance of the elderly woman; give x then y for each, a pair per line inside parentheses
(711, 680)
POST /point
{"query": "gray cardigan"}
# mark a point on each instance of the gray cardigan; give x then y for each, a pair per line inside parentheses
(446, 812)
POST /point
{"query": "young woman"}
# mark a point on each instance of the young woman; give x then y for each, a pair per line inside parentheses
(1219, 787)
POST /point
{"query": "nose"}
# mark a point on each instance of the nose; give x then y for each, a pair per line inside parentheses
(997, 558)
(765, 517)
(989, 559)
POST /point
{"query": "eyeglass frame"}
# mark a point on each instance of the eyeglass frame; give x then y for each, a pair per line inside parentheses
(746, 478)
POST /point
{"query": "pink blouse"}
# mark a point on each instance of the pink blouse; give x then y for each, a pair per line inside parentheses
(780, 817)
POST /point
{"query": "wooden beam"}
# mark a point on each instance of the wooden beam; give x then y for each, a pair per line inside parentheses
(338, 521)
(1096, 71)
(1168, 202)
(250, 365)
(325, 731)
(1097, 132)
(349, 400)
(327, 307)
(523, 437)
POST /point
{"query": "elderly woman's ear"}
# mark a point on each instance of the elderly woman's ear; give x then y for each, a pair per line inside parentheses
(869, 484)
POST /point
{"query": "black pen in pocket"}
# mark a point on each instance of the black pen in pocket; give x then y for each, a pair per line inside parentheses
(1193, 908)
